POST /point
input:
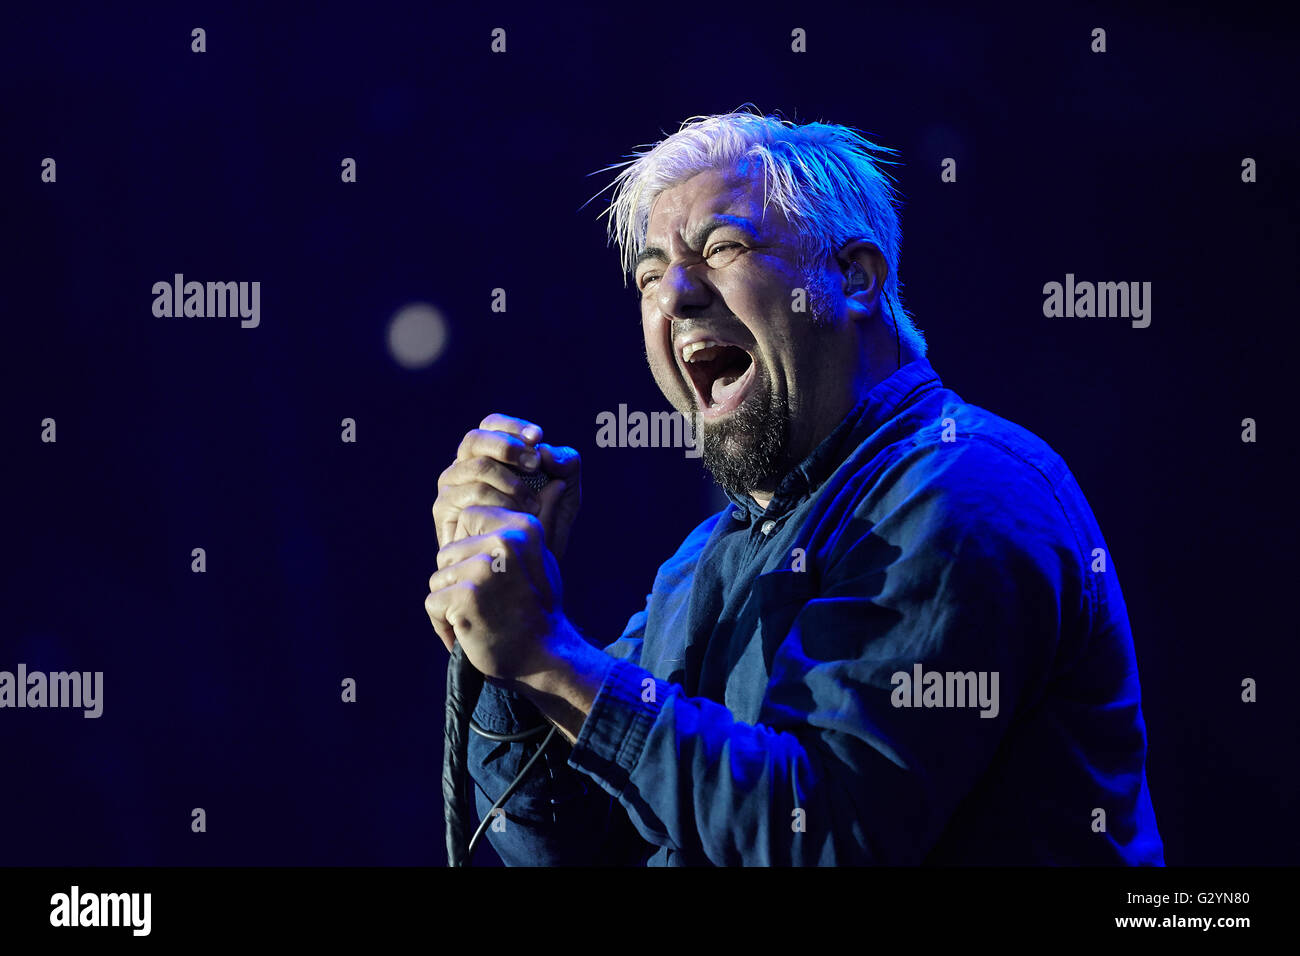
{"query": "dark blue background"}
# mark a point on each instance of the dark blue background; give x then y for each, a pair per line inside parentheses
(222, 689)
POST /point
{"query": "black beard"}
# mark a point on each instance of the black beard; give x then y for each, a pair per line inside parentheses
(748, 450)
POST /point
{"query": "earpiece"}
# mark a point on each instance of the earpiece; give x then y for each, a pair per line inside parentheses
(857, 279)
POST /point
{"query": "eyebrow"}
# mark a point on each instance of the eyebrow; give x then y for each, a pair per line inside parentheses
(698, 238)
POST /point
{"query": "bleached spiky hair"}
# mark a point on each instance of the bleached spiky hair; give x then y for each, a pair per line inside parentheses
(829, 180)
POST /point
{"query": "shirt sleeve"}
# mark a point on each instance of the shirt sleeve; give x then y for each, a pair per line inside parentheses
(966, 564)
(558, 816)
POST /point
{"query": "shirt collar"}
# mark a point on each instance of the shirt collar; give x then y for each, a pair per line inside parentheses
(882, 403)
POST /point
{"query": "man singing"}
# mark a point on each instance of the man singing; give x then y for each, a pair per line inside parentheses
(904, 643)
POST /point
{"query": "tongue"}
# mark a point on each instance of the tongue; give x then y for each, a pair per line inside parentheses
(725, 386)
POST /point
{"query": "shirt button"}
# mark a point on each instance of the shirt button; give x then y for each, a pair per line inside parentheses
(768, 526)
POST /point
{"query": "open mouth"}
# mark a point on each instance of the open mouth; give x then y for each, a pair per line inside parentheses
(721, 375)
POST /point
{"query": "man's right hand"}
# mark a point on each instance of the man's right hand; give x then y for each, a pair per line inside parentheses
(480, 476)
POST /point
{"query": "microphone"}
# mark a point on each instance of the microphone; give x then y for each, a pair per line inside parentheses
(464, 684)
(536, 480)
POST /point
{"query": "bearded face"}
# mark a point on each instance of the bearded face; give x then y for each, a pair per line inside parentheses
(741, 328)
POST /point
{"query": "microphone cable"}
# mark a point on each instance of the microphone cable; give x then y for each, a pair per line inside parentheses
(464, 684)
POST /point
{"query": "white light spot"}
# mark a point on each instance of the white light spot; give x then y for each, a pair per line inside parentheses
(417, 335)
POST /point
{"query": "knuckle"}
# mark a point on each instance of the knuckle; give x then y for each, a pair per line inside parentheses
(518, 521)
(518, 537)
(468, 591)
(490, 496)
(466, 496)
(472, 444)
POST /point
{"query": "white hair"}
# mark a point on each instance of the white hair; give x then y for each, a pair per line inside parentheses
(829, 180)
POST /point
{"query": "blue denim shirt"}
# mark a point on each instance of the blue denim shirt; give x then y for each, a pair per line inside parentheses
(804, 683)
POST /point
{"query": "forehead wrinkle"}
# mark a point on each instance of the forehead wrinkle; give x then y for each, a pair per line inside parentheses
(727, 215)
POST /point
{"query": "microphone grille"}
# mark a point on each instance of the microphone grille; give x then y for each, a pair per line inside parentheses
(535, 480)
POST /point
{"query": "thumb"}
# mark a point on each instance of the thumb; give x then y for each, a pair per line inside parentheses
(552, 497)
(559, 461)
(551, 494)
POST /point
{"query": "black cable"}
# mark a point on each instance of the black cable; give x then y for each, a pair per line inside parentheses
(514, 785)
(897, 338)
(506, 738)
(464, 683)
(857, 276)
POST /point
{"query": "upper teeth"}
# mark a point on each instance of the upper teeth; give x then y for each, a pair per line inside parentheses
(690, 350)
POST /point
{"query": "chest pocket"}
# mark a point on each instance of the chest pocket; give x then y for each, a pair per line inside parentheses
(775, 601)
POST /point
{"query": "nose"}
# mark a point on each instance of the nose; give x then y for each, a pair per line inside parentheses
(680, 293)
